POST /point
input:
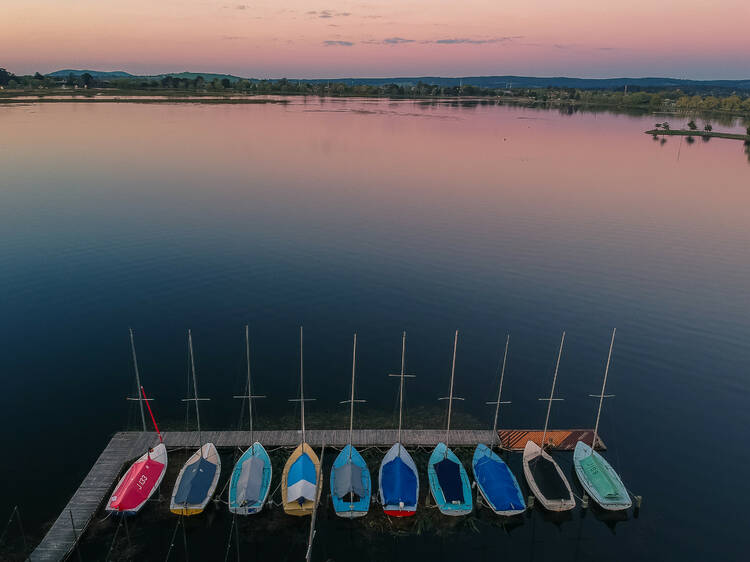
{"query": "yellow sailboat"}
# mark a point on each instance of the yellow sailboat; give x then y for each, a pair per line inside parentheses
(301, 480)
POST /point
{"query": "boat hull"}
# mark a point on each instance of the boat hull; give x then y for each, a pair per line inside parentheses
(533, 453)
(294, 507)
(203, 490)
(402, 508)
(256, 451)
(139, 483)
(446, 505)
(351, 510)
(599, 479)
(508, 499)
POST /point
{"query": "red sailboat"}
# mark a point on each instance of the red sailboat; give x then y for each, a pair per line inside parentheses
(142, 478)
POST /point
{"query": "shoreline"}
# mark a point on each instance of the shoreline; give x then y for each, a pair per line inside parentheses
(706, 134)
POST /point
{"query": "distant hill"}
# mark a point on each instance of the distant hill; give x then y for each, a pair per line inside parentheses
(95, 73)
(483, 81)
(122, 74)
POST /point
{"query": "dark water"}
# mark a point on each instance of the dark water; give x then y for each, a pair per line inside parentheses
(377, 216)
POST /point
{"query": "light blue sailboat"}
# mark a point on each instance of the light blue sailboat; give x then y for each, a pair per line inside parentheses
(596, 475)
(495, 481)
(449, 483)
(351, 486)
(251, 477)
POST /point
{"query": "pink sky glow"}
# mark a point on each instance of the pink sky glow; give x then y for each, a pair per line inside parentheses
(338, 38)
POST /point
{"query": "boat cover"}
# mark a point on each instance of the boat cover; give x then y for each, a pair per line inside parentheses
(600, 480)
(250, 481)
(547, 479)
(498, 484)
(449, 477)
(137, 485)
(195, 483)
(348, 482)
(301, 480)
(398, 483)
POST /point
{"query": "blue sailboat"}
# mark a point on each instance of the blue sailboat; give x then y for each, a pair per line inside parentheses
(495, 481)
(398, 476)
(351, 486)
(449, 482)
(251, 477)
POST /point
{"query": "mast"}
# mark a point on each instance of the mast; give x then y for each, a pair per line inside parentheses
(137, 378)
(195, 391)
(450, 394)
(249, 388)
(249, 394)
(500, 390)
(301, 385)
(351, 400)
(602, 396)
(552, 392)
(401, 385)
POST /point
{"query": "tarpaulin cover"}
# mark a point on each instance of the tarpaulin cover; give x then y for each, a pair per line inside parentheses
(498, 484)
(195, 483)
(250, 481)
(547, 479)
(596, 473)
(399, 483)
(137, 485)
(348, 480)
(449, 477)
(301, 480)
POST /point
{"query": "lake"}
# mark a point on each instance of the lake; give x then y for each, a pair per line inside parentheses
(377, 216)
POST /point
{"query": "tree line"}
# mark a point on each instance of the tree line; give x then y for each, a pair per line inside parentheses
(665, 99)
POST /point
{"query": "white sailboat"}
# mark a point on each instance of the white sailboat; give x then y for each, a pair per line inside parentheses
(544, 476)
(196, 483)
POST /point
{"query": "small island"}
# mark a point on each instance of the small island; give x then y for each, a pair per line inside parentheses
(664, 129)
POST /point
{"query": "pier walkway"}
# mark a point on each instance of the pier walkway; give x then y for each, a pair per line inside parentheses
(126, 446)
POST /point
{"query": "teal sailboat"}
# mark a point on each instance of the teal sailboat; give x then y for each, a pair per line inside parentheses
(251, 477)
(449, 483)
(596, 475)
(351, 486)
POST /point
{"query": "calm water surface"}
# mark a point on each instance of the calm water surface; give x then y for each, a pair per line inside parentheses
(374, 217)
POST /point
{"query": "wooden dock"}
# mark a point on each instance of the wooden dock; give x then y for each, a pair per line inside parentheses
(70, 525)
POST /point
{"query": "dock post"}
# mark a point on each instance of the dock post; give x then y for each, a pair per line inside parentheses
(530, 502)
(584, 501)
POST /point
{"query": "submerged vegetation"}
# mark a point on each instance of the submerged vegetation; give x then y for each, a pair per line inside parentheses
(645, 99)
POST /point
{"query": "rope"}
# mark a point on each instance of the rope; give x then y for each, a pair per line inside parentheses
(229, 540)
(112, 544)
(171, 542)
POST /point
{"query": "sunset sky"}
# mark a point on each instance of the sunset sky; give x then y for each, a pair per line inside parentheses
(338, 38)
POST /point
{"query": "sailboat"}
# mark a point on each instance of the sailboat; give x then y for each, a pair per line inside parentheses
(196, 483)
(300, 488)
(145, 475)
(449, 482)
(596, 475)
(351, 486)
(543, 474)
(398, 476)
(251, 477)
(495, 481)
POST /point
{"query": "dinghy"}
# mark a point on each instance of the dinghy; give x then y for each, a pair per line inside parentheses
(597, 477)
(145, 475)
(449, 482)
(251, 477)
(196, 483)
(399, 482)
(300, 481)
(543, 475)
(398, 476)
(351, 487)
(495, 481)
